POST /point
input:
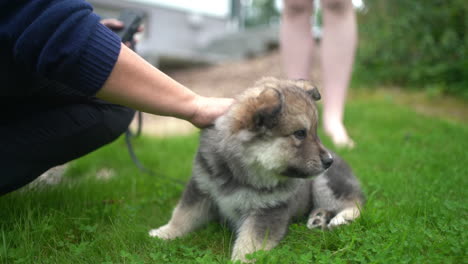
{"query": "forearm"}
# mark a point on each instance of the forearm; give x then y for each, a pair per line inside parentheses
(136, 83)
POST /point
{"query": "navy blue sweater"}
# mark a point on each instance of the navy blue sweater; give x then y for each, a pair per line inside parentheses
(57, 40)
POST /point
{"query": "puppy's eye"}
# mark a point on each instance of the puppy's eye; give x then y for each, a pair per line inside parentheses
(300, 134)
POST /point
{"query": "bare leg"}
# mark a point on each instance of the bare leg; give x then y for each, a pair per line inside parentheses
(338, 47)
(296, 40)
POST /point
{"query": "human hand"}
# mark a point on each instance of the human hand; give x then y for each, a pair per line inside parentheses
(116, 24)
(208, 110)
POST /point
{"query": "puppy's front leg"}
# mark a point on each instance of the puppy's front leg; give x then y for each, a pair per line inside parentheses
(261, 231)
(193, 210)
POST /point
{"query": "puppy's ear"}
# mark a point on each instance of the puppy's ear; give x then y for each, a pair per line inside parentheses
(314, 94)
(269, 106)
(310, 89)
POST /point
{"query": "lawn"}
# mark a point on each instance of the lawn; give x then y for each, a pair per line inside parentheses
(413, 168)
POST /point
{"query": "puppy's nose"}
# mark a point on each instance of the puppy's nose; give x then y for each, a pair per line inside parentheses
(327, 160)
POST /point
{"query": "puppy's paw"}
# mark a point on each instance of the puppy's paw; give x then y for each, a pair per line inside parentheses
(344, 217)
(318, 219)
(164, 232)
(337, 221)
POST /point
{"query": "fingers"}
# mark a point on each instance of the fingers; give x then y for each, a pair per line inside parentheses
(131, 44)
(112, 23)
(116, 24)
(209, 109)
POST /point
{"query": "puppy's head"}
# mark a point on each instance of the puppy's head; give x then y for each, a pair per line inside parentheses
(276, 122)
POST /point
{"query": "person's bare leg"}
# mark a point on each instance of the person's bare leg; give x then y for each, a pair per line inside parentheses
(338, 47)
(296, 40)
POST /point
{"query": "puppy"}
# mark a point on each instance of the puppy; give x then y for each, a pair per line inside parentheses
(262, 165)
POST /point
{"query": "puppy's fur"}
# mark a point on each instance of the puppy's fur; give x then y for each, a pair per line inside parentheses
(254, 169)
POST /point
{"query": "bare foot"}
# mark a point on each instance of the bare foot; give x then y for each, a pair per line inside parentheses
(337, 132)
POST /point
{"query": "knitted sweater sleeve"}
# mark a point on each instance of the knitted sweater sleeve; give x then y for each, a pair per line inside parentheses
(61, 40)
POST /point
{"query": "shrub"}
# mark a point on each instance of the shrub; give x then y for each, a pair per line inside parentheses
(422, 44)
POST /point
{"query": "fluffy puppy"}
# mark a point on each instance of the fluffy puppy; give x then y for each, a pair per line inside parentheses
(260, 166)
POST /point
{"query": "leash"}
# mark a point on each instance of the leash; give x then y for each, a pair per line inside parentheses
(128, 140)
(129, 135)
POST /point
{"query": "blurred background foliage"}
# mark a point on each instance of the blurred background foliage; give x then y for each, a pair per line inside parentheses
(413, 44)
(262, 12)
(420, 44)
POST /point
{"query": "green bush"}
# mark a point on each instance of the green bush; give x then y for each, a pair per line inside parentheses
(421, 44)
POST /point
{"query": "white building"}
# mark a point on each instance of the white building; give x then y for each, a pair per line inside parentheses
(171, 34)
(178, 35)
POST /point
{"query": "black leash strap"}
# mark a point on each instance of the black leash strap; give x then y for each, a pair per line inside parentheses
(129, 135)
(128, 140)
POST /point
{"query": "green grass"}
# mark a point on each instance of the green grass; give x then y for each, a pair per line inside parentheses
(413, 169)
